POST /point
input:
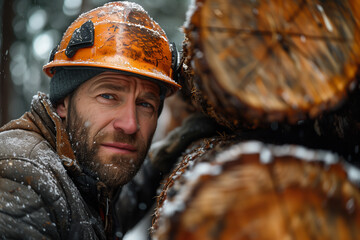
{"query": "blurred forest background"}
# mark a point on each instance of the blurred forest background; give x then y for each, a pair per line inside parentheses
(30, 29)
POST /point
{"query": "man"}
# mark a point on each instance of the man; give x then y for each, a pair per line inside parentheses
(62, 163)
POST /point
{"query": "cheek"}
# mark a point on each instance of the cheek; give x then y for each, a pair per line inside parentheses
(148, 128)
(95, 121)
(95, 131)
(92, 127)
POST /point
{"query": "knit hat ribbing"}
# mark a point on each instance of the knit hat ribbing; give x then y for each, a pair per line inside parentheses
(66, 80)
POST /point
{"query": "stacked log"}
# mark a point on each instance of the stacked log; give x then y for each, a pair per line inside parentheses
(301, 59)
(282, 76)
(250, 190)
(254, 61)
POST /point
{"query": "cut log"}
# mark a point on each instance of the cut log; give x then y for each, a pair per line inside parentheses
(259, 61)
(250, 190)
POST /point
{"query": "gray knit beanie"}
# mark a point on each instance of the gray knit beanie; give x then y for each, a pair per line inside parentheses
(67, 79)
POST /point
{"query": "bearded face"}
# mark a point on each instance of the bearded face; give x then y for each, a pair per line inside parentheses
(111, 131)
(113, 170)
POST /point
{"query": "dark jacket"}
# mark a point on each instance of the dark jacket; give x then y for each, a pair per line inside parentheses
(44, 194)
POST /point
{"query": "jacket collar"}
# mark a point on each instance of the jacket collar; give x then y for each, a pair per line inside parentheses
(43, 119)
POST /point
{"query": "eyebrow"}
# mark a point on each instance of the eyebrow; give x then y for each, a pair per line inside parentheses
(151, 96)
(114, 87)
(151, 91)
(148, 93)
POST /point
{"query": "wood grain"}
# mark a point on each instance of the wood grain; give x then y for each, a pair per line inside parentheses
(262, 61)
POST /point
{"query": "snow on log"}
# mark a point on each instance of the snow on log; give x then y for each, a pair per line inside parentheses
(262, 61)
(250, 190)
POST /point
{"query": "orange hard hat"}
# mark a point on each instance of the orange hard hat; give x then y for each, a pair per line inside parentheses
(118, 36)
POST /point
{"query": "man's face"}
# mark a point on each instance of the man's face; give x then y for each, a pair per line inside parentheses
(111, 119)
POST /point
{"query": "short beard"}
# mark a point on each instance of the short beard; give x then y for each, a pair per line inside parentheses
(119, 169)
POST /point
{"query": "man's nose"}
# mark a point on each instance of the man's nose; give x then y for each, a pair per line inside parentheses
(126, 119)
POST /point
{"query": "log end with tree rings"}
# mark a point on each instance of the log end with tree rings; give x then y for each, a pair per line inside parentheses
(252, 190)
(262, 61)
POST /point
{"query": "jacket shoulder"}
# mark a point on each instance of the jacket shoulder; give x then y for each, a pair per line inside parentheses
(29, 187)
(19, 143)
(29, 164)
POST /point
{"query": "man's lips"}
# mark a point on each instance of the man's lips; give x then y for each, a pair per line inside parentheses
(119, 147)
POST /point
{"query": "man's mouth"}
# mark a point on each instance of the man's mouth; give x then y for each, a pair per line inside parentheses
(120, 148)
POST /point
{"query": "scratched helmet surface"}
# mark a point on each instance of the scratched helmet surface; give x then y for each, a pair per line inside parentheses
(118, 36)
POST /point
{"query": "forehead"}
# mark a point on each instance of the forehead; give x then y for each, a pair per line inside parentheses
(117, 79)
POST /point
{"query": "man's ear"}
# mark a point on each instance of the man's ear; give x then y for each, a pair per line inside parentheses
(62, 107)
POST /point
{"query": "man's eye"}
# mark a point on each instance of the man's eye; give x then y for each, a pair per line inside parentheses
(146, 104)
(107, 96)
(148, 107)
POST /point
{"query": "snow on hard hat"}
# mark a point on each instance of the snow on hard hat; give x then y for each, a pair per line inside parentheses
(118, 36)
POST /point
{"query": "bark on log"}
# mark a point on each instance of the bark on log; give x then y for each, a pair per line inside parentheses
(262, 61)
(250, 190)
